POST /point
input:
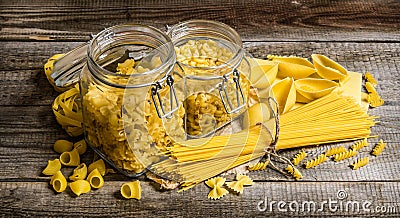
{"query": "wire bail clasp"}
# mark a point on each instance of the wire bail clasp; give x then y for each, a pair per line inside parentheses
(226, 101)
(156, 97)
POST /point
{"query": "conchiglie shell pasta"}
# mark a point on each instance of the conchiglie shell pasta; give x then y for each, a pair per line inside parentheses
(294, 67)
(329, 69)
(284, 93)
(258, 113)
(263, 73)
(131, 190)
(80, 187)
(309, 89)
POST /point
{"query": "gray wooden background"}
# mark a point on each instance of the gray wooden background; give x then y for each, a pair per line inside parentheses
(360, 35)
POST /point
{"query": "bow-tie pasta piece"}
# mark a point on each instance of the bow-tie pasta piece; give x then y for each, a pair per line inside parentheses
(217, 191)
(238, 185)
(295, 67)
(284, 92)
(263, 73)
(329, 69)
(309, 89)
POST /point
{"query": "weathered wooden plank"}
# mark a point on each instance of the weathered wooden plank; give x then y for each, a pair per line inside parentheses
(254, 20)
(298, 199)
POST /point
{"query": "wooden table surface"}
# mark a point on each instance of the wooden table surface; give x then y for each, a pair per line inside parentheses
(361, 35)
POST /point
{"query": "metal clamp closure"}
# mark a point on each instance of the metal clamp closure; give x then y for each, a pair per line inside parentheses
(226, 101)
(156, 97)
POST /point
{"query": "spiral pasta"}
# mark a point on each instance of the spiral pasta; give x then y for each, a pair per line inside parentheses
(345, 155)
(79, 172)
(360, 163)
(58, 182)
(61, 146)
(238, 186)
(216, 184)
(70, 158)
(294, 172)
(299, 157)
(359, 144)
(53, 166)
(317, 161)
(379, 147)
(258, 166)
(79, 187)
(131, 190)
(374, 100)
(370, 88)
(95, 179)
(335, 150)
(370, 78)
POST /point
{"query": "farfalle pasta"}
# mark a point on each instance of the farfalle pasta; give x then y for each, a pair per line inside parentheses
(379, 147)
(238, 186)
(131, 190)
(317, 161)
(216, 184)
(79, 173)
(360, 163)
(58, 182)
(70, 158)
(53, 166)
(79, 187)
(299, 157)
(284, 92)
(95, 179)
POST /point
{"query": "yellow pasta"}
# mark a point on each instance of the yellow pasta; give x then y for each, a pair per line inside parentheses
(131, 190)
(374, 100)
(309, 89)
(48, 69)
(81, 146)
(284, 92)
(370, 78)
(378, 149)
(61, 146)
(299, 157)
(294, 172)
(53, 166)
(359, 144)
(258, 166)
(335, 150)
(345, 155)
(100, 165)
(70, 158)
(79, 172)
(216, 184)
(360, 163)
(79, 187)
(58, 182)
(329, 69)
(242, 180)
(317, 161)
(95, 179)
(295, 67)
(370, 88)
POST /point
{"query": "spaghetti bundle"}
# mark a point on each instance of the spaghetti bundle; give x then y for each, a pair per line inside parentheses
(332, 118)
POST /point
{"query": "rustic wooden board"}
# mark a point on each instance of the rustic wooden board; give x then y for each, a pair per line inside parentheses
(254, 20)
(37, 199)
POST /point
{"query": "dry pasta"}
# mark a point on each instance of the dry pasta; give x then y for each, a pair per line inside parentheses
(217, 191)
(299, 157)
(95, 179)
(81, 146)
(258, 166)
(374, 100)
(335, 150)
(98, 164)
(131, 190)
(359, 144)
(48, 69)
(345, 155)
(370, 78)
(317, 161)
(295, 67)
(284, 92)
(294, 172)
(329, 69)
(53, 166)
(70, 158)
(360, 163)
(79, 173)
(58, 182)
(379, 147)
(238, 186)
(61, 146)
(370, 88)
(79, 187)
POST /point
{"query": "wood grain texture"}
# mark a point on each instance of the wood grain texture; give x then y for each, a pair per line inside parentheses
(254, 20)
(37, 199)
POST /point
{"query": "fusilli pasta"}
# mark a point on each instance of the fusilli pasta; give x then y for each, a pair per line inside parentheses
(315, 162)
(360, 163)
(299, 157)
(345, 155)
(379, 147)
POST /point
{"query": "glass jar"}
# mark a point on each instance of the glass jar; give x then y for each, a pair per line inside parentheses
(216, 75)
(124, 64)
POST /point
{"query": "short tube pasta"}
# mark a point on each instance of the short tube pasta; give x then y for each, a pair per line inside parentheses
(80, 187)
(53, 166)
(95, 179)
(100, 165)
(81, 146)
(70, 158)
(79, 173)
(61, 146)
(131, 190)
(58, 182)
